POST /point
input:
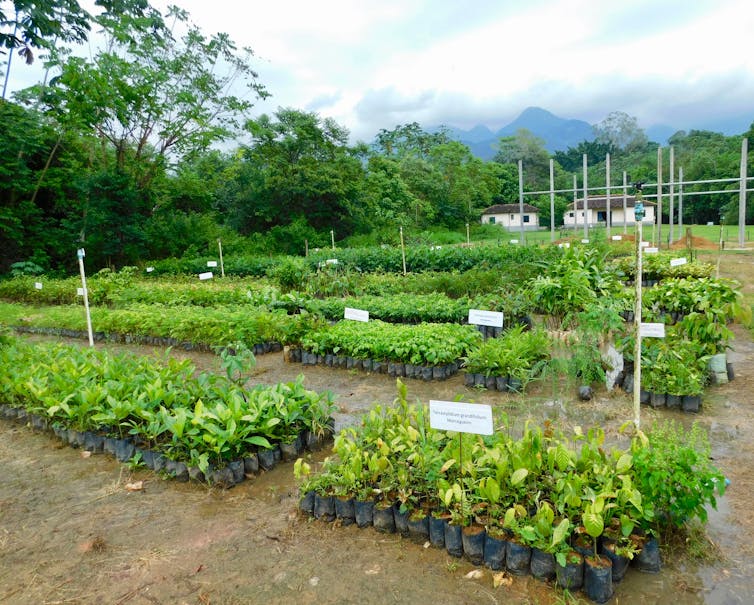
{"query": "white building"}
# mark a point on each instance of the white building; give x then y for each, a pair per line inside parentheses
(596, 212)
(509, 216)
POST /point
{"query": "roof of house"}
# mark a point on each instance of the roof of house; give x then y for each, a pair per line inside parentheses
(509, 209)
(599, 202)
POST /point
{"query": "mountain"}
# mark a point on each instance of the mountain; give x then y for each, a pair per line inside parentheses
(557, 133)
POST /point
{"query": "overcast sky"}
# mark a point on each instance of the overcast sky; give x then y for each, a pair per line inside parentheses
(372, 64)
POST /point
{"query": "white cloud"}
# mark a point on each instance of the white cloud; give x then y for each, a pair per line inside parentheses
(373, 65)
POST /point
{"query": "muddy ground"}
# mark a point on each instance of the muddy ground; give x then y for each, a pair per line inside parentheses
(71, 532)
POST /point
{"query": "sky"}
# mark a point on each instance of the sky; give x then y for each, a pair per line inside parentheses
(373, 64)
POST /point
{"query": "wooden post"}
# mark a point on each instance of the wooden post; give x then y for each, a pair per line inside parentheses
(625, 202)
(586, 203)
(521, 200)
(306, 247)
(680, 201)
(468, 235)
(403, 252)
(80, 253)
(575, 203)
(671, 192)
(637, 324)
(552, 200)
(332, 238)
(222, 265)
(658, 242)
(742, 194)
(607, 195)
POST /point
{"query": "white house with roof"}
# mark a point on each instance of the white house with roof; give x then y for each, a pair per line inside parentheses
(509, 216)
(596, 211)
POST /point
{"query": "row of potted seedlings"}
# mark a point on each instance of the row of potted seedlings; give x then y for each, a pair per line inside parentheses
(424, 351)
(563, 508)
(157, 412)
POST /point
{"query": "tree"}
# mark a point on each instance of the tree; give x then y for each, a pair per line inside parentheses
(528, 148)
(408, 140)
(572, 160)
(621, 132)
(298, 166)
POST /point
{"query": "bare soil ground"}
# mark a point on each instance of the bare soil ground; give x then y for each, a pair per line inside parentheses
(71, 532)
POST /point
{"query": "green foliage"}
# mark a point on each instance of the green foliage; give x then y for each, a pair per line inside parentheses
(290, 274)
(516, 353)
(673, 471)
(199, 419)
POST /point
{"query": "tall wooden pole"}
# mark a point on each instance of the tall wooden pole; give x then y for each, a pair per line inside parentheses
(625, 202)
(680, 201)
(671, 184)
(742, 194)
(575, 203)
(552, 200)
(586, 203)
(607, 195)
(521, 200)
(658, 242)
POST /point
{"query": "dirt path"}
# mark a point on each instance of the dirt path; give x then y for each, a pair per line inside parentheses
(72, 533)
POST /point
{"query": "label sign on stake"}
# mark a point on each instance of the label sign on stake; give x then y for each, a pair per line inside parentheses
(652, 330)
(675, 262)
(514, 241)
(150, 269)
(617, 238)
(212, 263)
(207, 275)
(643, 244)
(584, 241)
(460, 417)
(486, 318)
(355, 314)
(650, 250)
(79, 291)
(38, 285)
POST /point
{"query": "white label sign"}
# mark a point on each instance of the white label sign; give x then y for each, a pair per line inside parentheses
(79, 291)
(356, 314)
(675, 262)
(617, 238)
(38, 285)
(150, 269)
(212, 263)
(461, 417)
(485, 318)
(652, 330)
(643, 244)
(584, 241)
(331, 261)
(514, 241)
(650, 250)
(207, 275)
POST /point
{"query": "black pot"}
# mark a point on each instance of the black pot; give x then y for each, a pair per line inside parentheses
(571, 576)
(324, 508)
(251, 464)
(644, 396)
(691, 403)
(427, 373)
(480, 380)
(418, 527)
(620, 563)
(472, 538)
(731, 372)
(438, 373)
(291, 451)
(542, 564)
(177, 469)
(490, 383)
(266, 458)
(673, 401)
(517, 558)
(453, 539)
(437, 531)
(598, 579)
(468, 379)
(364, 512)
(501, 383)
(236, 468)
(648, 559)
(344, 510)
(221, 476)
(306, 504)
(124, 450)
(93, 442)
(383, 519)
(657, 400)
(515, 385)
(401, 520)
(494, 551)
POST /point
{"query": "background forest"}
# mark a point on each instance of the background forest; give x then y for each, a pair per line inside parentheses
(148, 149)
